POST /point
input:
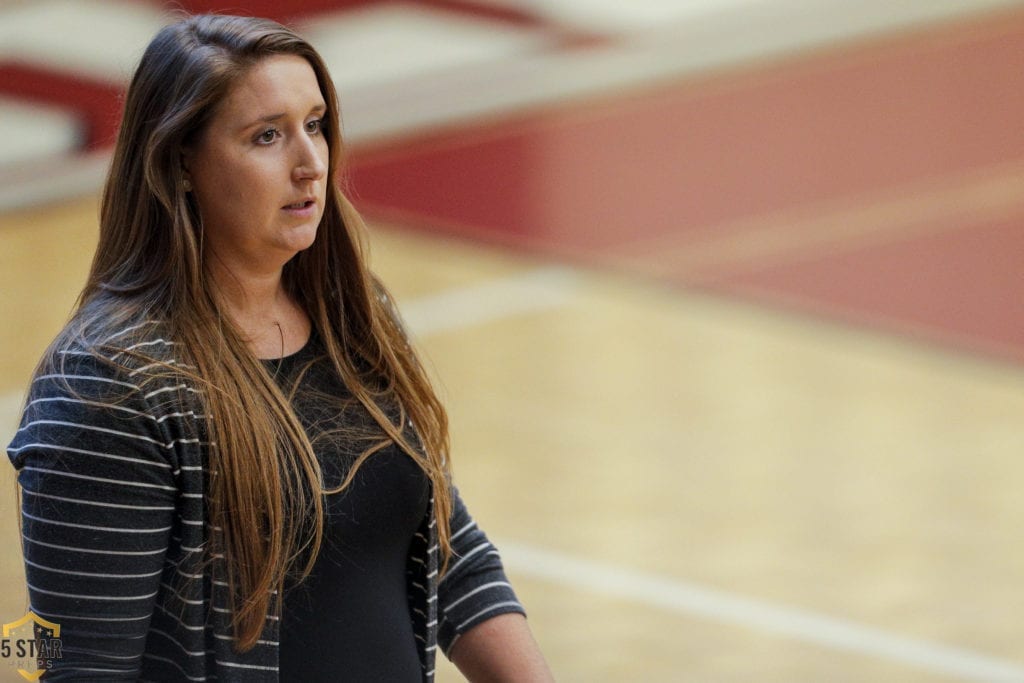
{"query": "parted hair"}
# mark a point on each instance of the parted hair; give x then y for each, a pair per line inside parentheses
(265, 486)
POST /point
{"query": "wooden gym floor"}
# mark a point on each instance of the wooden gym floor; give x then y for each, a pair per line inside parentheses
(733, 408)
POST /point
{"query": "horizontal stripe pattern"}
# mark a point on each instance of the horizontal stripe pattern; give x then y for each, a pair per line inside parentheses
(112, 464)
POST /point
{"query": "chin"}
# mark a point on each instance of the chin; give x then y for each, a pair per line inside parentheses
(301, 239)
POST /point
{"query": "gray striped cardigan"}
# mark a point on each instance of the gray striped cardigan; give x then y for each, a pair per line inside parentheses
(113, 473)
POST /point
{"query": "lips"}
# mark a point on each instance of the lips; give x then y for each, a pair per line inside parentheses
(306, 203)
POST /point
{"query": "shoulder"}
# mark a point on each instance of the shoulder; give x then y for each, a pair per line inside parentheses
(84, 357)
(99, 390)
(126, 367)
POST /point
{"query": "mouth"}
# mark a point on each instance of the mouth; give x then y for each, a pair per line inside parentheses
(298, 206)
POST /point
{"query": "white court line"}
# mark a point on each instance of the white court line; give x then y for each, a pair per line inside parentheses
(456, 309)
(786, 17)
(33, 131)
(99, 39)
(692, 599)
(409, 42)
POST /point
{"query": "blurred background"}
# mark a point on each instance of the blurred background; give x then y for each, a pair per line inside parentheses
(725, 298)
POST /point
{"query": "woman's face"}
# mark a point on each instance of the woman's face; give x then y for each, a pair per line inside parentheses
(259, 169)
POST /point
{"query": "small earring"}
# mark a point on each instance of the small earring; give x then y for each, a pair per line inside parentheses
(187, 184)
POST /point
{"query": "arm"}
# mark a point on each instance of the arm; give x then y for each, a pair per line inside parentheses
(482, 626)
(500, 649)
(97, 511)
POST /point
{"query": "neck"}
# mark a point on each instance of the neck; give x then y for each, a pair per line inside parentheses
(271, 322)
(250, 296)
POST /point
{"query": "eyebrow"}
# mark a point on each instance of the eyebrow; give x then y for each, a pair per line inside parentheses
(270, 118)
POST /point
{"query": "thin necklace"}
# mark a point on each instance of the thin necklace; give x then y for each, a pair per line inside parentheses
(280, 359)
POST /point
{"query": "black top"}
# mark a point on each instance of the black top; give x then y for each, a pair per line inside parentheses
(350, 620)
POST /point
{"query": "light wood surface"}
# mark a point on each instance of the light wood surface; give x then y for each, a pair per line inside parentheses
(700, 441)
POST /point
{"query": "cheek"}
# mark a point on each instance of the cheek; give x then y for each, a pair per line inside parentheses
(227, 186)
(220, 199)
(225, 204)
(325, 152)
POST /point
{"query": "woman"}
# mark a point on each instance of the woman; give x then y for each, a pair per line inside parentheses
(232, 464)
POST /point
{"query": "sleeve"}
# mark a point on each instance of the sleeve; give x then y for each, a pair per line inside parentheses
(98, 503)
(475, 588)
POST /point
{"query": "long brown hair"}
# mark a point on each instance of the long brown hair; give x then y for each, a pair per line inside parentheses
(149, 266)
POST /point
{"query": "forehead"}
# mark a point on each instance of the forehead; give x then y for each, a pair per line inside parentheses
(276, 84)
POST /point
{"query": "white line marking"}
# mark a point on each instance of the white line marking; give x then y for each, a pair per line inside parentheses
(456, 309)
(46, 180)
(790, 19)
(410, 42)
(695, 600)
(100, 39)
(34, 131)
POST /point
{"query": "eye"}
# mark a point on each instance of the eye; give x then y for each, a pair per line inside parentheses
(315, 126)
(267, 136)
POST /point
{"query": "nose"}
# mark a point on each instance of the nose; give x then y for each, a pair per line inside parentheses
(310, 158)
